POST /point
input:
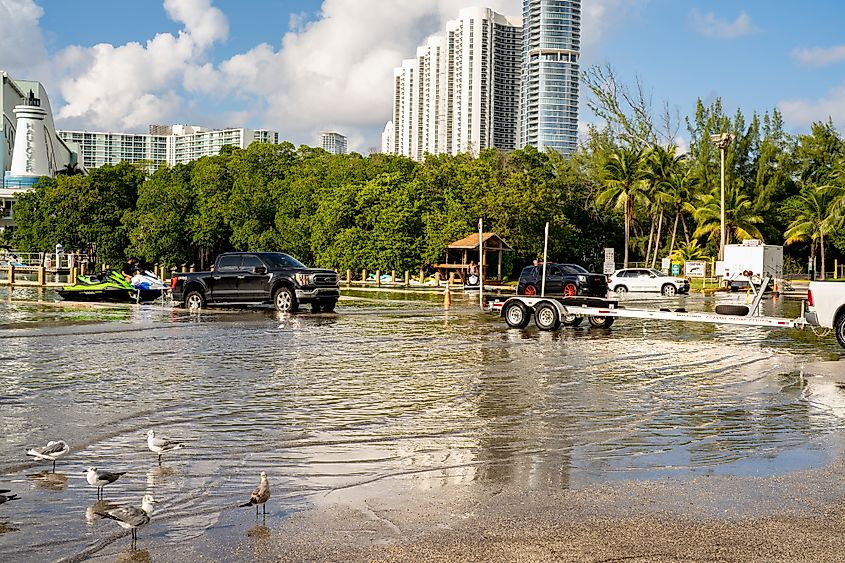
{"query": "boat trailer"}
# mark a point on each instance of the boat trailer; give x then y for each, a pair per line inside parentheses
(550, 313)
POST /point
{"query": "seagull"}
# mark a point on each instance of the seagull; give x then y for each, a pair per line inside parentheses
(51, 452)
(260, 495)
(4, 498)
(160, 445)
(132, 517)
(100, 479)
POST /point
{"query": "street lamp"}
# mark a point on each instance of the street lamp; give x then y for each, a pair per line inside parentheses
(722, 141)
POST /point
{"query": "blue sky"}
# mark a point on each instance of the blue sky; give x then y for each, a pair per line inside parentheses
(301, 66)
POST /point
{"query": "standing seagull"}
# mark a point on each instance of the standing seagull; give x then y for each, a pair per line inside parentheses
(132, 517)
(260, 495)
(100, 479)
(51, 452)
(160, 445)
(4, 498)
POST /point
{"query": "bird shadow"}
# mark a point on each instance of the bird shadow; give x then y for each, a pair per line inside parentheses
(95, 511)
(6, 527)
(49, 481)
(134, 555)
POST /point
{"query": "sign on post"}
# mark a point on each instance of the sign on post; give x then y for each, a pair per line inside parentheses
(609, 261)
(695, 268)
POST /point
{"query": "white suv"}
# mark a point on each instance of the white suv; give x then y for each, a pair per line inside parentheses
(646, 279)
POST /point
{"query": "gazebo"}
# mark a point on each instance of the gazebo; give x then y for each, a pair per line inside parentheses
(461, 252)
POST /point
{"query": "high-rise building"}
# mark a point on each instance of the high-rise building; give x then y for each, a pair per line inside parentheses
(332, 142)
(461, 92)
(551, 43)
(164, 144)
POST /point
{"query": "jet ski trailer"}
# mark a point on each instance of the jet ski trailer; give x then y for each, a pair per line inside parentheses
(550, 313)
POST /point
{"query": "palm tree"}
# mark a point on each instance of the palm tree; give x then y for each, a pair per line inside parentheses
(680, 186)
(661, 164)
(816, 215)
(623, 178)
(740, 219)
(689, 251)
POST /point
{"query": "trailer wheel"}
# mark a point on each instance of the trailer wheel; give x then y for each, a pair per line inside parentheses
(601, 322)
(839, 327)
(516, 315)
(572, 320)
(620, 289)
(546, 317)
(737, 310)
(669, 290)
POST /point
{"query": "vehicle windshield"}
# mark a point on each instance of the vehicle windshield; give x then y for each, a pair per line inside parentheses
(281, 260)
(657, 273)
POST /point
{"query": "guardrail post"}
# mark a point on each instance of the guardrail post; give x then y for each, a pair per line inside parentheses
(378, 278)
(82, 268)
(407, 278)
(348, 278)
(193, 268)
(41, 276)
(392, 277)
(184, 268)
(72, 279)
(11, 274)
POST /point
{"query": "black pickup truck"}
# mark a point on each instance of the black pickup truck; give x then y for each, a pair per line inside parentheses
(258, 277)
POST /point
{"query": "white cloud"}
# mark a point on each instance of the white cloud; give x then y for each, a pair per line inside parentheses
(819, 56)
(203, 23)
(599, 17)
(710, 25)
(801, 113)
(21, 42)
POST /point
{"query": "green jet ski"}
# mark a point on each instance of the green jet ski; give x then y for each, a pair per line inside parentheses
(105, 286)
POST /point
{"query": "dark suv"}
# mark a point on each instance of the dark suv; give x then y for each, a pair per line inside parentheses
(258, 277)
(562, 279)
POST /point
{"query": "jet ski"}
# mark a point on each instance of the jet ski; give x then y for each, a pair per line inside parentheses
(112, 286)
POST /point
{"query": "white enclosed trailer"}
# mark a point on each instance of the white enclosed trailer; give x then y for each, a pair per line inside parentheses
(750, 259)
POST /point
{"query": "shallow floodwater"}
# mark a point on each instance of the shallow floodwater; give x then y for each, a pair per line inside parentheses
(392, 388)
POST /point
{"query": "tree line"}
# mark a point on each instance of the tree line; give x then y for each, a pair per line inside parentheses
(629, 187)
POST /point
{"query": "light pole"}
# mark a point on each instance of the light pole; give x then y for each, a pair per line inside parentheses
(722, 140)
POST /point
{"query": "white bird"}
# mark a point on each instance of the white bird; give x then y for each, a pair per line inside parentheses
(161, 445)
(4, 498)
(51, 452)
(260, 495)
(100, 479)
(132, 517)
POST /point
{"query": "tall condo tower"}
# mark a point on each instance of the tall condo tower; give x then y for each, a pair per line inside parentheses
(551, 42)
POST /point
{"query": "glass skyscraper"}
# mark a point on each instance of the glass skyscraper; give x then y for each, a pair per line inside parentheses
(551, 42)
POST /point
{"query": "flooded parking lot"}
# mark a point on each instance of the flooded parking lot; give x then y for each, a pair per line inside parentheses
(392, 391)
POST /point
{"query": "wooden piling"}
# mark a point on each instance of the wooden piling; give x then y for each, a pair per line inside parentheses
(72, 279)
(392, 277)
(378, 278)
(41, 272)
(348, 278)
(407, 278)
(11, 274)
(364, 276)
(437, 279)
(422, 277)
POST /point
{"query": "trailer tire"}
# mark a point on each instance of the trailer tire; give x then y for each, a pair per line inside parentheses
(736, 310)
(572, 320)
(839, 328)
(516, 315)
(546, 317)
(601, 322)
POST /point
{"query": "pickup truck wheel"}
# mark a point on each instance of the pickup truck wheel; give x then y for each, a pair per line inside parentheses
(194, 300)
(546, 317)
(839, 327)
(285, 301)
(328, 306)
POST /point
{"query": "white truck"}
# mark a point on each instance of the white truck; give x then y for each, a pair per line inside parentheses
(826, 307)
(751, 256)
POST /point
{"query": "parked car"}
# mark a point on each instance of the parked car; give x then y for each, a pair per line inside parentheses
(562, 279)
(646, 279)
(258, 277)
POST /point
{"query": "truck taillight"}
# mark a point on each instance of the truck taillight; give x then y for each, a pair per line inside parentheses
(810, 298)
(173, 281)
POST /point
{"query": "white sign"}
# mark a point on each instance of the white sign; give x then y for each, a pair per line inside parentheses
(608, 255)
(609, 267)
(695, 268)
(665, 264)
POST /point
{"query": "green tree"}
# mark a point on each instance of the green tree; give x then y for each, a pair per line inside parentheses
(623, 180)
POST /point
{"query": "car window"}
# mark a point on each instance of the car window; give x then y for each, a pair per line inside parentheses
(282, 260)
(555, 271)
(574, 269)
(644, 273)
(251, 261)
(527, 272)
(657, 273)
(624, 274)
(229, 263)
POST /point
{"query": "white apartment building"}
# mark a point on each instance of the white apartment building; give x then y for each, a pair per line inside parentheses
(333, 143)
(461, 92)
(164, 144)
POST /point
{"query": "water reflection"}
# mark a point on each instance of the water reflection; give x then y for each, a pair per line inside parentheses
(47, 480)
(95, 511)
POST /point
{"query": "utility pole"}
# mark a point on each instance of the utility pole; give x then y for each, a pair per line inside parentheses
(722, 141)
